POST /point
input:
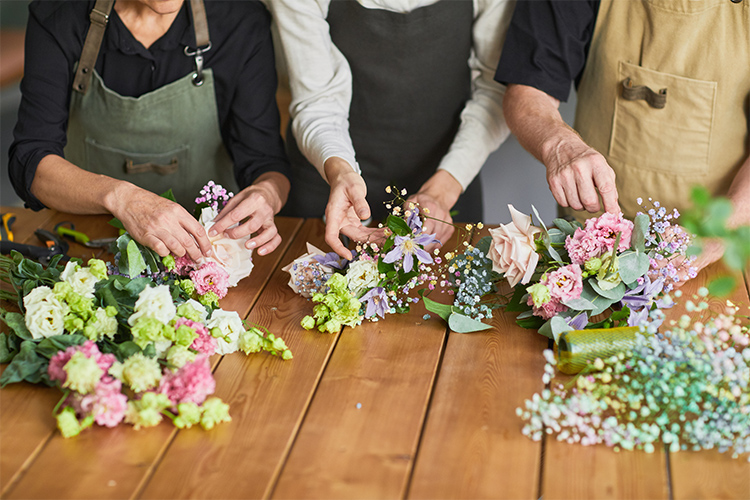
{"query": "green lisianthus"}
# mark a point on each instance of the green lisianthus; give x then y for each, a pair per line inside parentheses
(251, 341)
(98, 268)
(147, 411)
(308, 322)
(140, 372)
(189, 415)
(540, 294)
(83, 373)
(608, 278)
(178, 356)
(184, 336)
(148, 329)
(169, 263)
(209, 299)
(68, 423)
(215, 411)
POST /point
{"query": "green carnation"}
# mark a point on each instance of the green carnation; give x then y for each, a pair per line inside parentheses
(68, 423)
(189, 415)
(539, 294)
(178, 356)
(83, 373)
(98, 268)
(140, 372)
(215, 411)
(169, 263)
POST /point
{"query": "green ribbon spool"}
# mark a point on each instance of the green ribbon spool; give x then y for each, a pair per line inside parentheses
(576, 349)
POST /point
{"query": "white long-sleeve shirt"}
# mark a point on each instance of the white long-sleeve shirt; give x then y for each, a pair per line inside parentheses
(321, 83)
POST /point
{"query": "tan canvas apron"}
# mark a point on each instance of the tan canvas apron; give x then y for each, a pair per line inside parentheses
(165, 139)
(699, 51)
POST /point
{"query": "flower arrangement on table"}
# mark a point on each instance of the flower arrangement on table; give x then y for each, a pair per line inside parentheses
(684, 388)
(130, 342)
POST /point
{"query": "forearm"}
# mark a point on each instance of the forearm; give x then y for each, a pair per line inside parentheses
(534, 119)
(739, 194)
(276, 185)
(63, 186)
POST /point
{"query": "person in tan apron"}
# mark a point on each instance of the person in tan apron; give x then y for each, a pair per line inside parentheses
(120, 148)
(383, 94)
(663, 90)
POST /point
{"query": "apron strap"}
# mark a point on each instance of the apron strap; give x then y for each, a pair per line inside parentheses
(200, 24)
(99, 17)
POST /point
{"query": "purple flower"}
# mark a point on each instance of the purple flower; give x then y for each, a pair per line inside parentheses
(377, 302)
(414, 222)
(579, 321)
(642, 296)
(331, 259)
(638, 318)
(406, 248)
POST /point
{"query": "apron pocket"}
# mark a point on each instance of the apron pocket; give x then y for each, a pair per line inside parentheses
(674, 138)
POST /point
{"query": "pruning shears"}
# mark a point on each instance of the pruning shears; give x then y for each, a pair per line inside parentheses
(53, 245)
(68, 230)
(7, 221)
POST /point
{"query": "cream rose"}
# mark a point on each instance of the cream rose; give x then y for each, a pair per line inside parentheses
(45, 313)
(154, 302)
(230, 325)
(230, 254)
(362, 275)
(80, 278)
(513, 251)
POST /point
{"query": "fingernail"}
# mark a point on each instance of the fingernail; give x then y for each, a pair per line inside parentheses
(212, 232)
(262, 251)
(251, 245)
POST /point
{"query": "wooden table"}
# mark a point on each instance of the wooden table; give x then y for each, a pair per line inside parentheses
(401, 408)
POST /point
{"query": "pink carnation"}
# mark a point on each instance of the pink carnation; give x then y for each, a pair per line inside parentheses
(583, 246)
(191, 383)
(565, 283)
(108, 404)
(204, 343)
(210, 277)
(184, 264)
(89, 349)
(606, 227)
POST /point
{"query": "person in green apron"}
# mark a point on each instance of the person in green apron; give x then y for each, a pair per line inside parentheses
(663, 87)
(390, 92)
(123, 101)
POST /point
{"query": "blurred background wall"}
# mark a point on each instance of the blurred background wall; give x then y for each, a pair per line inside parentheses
(510, 175)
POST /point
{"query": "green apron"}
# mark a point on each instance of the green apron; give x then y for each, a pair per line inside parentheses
(165, 139)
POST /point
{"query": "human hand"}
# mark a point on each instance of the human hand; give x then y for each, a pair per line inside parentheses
(347, 206)
(160, 224)
(257, 204)
(436, 198)
(577, 174)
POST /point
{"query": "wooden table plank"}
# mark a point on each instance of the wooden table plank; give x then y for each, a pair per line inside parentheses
(710, 474)
(344, 450)
(112, 463)
(472, 446)
(268, 400)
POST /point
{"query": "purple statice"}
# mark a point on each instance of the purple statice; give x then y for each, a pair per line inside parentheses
(407, 247)
(377, 302)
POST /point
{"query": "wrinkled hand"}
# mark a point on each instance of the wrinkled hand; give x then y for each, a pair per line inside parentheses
(577, 175)
(161, 224)
(256, 205)
(442, 228)
(347, 206)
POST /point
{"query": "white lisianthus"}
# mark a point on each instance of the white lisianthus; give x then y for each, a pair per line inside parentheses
(362, 276)
(80, 278)
(230, 325)
(199, 308)
(229, 253)
(45, 313)
(154, 302)
(103, 325)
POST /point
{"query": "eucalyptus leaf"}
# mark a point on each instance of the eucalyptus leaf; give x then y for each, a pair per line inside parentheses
(461, 323)
(136, 264)
(614, 295)
(556, 236)
(633, 265)
(525, 314)
(539, 219)
(580, 304)
(566, 227)
(442, 310)
(555, 327)
(601, 303)
(638, 236)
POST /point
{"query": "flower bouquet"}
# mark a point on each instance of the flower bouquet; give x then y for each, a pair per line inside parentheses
(126, 343)
(605, 273)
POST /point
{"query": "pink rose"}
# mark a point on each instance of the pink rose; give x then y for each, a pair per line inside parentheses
(513, 251)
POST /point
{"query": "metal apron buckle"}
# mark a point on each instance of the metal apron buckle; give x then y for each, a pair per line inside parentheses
(198, 53)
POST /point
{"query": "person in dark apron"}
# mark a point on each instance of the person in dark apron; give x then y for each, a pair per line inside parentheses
(152, 102)
(383, 94)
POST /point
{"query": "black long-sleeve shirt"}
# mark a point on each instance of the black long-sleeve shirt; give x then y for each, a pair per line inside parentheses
(547, 44)
(241, 58)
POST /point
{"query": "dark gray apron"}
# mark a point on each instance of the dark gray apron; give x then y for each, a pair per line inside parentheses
(165, 139)
(410, 82)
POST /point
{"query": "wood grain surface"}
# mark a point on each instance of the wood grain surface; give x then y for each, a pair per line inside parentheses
(268, 398)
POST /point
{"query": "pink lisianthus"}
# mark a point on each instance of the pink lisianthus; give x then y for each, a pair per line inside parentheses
(547, 310)
(565, 283)
(606, 227)
(210, 277)
(204, 343)
(89, 349)
(513, 250)
(108, 404)
(192, 383)
(583, 246)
